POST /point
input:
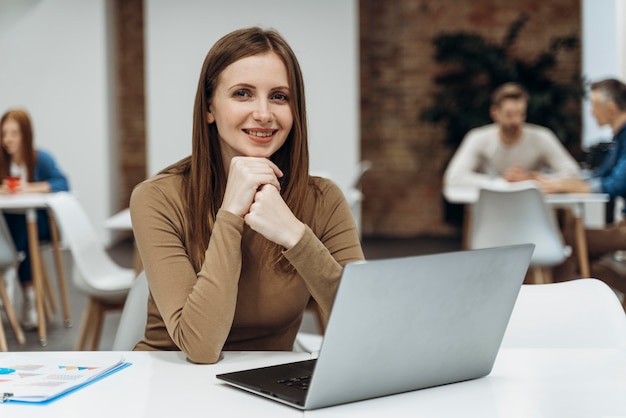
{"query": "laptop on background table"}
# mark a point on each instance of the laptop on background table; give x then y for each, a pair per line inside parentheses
(403, 324)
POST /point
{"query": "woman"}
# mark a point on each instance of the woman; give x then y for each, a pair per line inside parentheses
(237, 237)
(38, 173)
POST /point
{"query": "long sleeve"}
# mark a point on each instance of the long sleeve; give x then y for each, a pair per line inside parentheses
(470, 164)
(46, 169)
(327, 245)
(238, 300)
(197, 309)
(611, 175)
(558, 160)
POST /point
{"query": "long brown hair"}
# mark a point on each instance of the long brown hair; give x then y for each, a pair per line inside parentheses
(204, 174)
(28, 147)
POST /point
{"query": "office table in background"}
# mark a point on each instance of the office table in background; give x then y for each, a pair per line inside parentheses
(576, 202)
(524, 383)
(28, 204)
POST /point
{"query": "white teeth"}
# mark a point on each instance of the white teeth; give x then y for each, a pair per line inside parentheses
(260, 134)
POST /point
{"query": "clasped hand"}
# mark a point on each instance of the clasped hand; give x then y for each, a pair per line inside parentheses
(253, 192)
(517, 173)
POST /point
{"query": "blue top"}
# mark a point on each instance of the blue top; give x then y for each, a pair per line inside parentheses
(46, 169)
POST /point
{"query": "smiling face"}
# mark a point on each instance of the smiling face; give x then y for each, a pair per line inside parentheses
(251, 107)
(11, 137)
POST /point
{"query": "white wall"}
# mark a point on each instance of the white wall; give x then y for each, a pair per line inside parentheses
(53, 62)
(621, 37)
(324, 36)
(603, 44)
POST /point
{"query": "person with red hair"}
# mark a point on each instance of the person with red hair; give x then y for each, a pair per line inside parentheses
(39, 173)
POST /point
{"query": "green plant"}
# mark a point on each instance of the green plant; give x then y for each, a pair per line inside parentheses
(473, 66)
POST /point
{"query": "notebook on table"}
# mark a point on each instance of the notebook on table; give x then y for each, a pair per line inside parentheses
(403, 324)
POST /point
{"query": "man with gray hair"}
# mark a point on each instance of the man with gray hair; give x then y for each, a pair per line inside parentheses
(608, 107)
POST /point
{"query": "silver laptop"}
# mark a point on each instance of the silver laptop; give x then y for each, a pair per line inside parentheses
(403, 324)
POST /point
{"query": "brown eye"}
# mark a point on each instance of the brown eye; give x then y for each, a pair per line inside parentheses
(280, 97)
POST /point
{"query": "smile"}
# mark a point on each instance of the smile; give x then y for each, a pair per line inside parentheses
(261, 134)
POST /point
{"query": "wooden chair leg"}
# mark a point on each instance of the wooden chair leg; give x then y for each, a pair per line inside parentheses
(85, 325)
(541, 275)
(97, 326)
(3, 338)
(49, 300)
(529, 278)
(105, 308)
(90, 330)
(537, 276)
(10, 311)
(60, 271)
(547, 275)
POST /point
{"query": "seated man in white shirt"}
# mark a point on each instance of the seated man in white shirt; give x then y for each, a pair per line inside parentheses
(509, 149)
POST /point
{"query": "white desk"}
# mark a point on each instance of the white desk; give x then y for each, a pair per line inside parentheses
(524, 383)
(28, 203)
(576, 202)
(162, 384)
(464, 195)
(120, 221)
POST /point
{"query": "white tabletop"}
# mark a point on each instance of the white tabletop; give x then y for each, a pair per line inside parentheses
(469, 195)
(161, 384)
(524, 383)
(24, 200)
(572, 383)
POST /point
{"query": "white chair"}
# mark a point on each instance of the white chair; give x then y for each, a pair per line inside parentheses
(518, 214)
(307, 342)
(583, 313)
(134, 316)
(105, 283)
(8, 258)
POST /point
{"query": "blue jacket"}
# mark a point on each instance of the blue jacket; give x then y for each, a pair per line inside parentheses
(46, 169)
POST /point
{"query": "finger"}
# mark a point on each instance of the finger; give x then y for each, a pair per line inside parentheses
(265, 169)
(277, 171)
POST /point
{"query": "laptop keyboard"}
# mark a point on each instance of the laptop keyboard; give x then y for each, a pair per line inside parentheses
(301, 382)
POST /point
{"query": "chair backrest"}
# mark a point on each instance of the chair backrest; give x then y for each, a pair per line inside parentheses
(90, 257)
(583, 313)
(517, 214)
(134, 316)
(8, 253)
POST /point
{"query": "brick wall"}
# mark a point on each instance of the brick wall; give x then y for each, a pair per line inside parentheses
(402, 192)
(131, 130)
